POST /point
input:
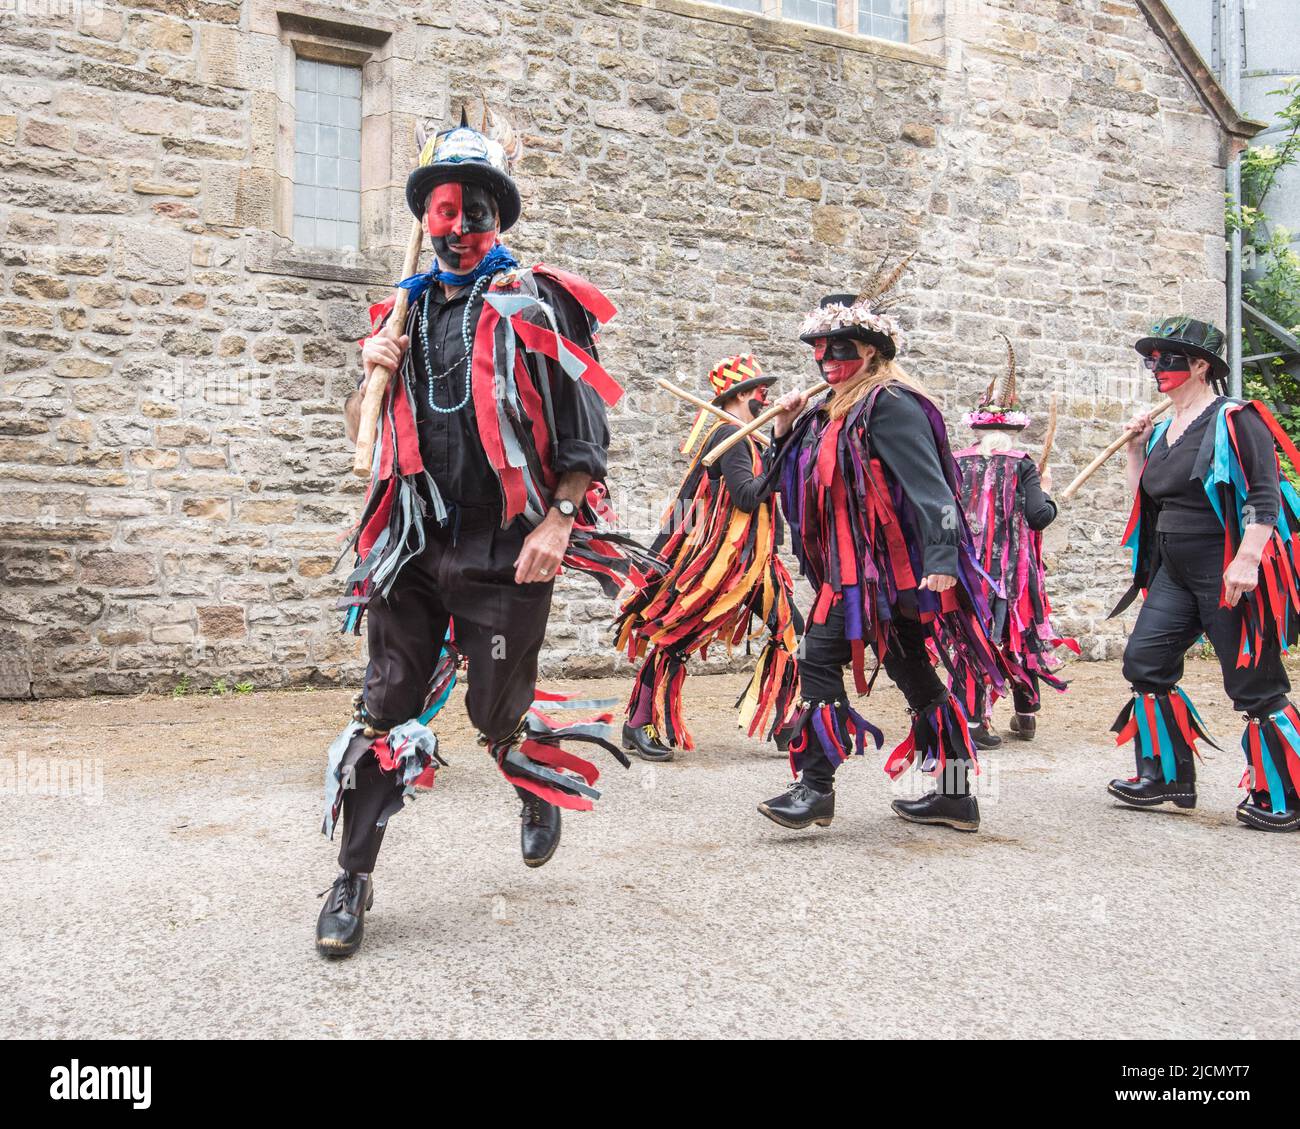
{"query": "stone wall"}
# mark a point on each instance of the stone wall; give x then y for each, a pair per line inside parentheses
(175, 482)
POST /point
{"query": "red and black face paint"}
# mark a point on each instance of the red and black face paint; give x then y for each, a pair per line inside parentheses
(758, 400)
(1170, 369)
(462, 223)
(838, 359)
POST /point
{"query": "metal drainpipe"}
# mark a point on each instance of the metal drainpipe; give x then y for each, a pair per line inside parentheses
(1232, 44)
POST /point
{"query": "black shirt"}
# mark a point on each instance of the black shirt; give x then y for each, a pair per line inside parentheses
(1040, 510)
(1183, 504)
(900, 435)
(748, 490)
(450, 446)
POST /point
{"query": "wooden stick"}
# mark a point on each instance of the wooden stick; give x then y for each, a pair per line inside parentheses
(373, 403)
(1097, 463)
(704, 405)
(1050, 437)
(759, 421)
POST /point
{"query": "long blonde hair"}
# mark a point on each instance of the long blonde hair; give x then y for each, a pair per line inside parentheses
(880, 373)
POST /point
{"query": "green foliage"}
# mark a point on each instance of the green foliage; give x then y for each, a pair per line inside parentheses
(243, 687)
(183, 687)
(1277, 291)
(218, 688)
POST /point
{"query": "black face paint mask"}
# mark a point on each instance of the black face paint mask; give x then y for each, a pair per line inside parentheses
(757, 407)
(465, 215)
(839, 359)
(1169, 369)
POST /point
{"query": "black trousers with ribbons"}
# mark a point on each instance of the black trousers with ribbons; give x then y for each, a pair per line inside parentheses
(1182, 604)
(823, 654)
(466, 572)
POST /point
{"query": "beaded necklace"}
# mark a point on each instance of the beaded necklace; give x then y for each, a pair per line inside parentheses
(465, 339)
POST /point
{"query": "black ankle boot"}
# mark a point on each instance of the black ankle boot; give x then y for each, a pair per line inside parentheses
(983, 736)
(1149, 790)
(342, 918)
(539, 828)
(800, 806)
(1024, 726)
(949, 805)
(644, 741)
(1256, 811)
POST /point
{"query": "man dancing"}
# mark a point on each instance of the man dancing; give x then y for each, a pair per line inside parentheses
(493, 430)
(720, 538)
(1008, 506)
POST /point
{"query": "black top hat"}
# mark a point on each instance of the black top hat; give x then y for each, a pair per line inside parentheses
(1182, 334)
(466, 155)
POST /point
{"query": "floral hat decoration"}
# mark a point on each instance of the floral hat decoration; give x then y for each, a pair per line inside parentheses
(863, 316)
(997, 411)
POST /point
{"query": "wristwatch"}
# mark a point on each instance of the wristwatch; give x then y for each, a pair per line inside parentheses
(567, 508)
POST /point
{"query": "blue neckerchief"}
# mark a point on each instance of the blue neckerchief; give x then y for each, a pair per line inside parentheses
(498, 259)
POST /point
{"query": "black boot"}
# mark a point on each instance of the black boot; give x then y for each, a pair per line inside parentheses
(1256, 811)
(539, 828)
(644, 741)
(1149, 789)
(1024, 726)
(342, 918)
(983, 736)
(800, 806)
(950, 804)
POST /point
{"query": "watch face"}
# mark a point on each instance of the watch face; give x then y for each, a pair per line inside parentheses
(567, 508)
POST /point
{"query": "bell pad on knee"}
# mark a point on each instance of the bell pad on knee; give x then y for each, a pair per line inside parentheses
(831, 728)
(533, 756)
(939, 730)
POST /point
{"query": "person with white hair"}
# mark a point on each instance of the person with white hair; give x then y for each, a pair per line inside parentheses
(1008, 506)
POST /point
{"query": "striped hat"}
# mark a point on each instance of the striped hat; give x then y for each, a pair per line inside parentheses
(731, 376)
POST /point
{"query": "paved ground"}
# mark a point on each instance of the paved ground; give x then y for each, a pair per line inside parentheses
(181, 902)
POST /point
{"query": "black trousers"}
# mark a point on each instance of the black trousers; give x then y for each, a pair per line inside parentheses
(823, 655)
(1020, 698)
(499, 629)
(1182, 603)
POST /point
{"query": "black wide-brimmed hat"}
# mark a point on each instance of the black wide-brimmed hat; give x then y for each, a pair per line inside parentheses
(469, 156)
(1182, 334)
(862, 317)
(858, 329)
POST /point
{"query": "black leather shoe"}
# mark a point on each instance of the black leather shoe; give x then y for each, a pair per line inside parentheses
(1024, 726)
(984, 737)
(1149, 789)
(1264, 819)
(644, 741)
(539, 829)
(961, 813)
(342, 918)
(800, 806)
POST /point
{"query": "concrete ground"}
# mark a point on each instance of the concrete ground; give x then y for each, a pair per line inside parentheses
(177, 896)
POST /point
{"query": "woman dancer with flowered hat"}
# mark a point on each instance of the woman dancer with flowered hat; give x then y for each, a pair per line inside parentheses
(870, 489)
